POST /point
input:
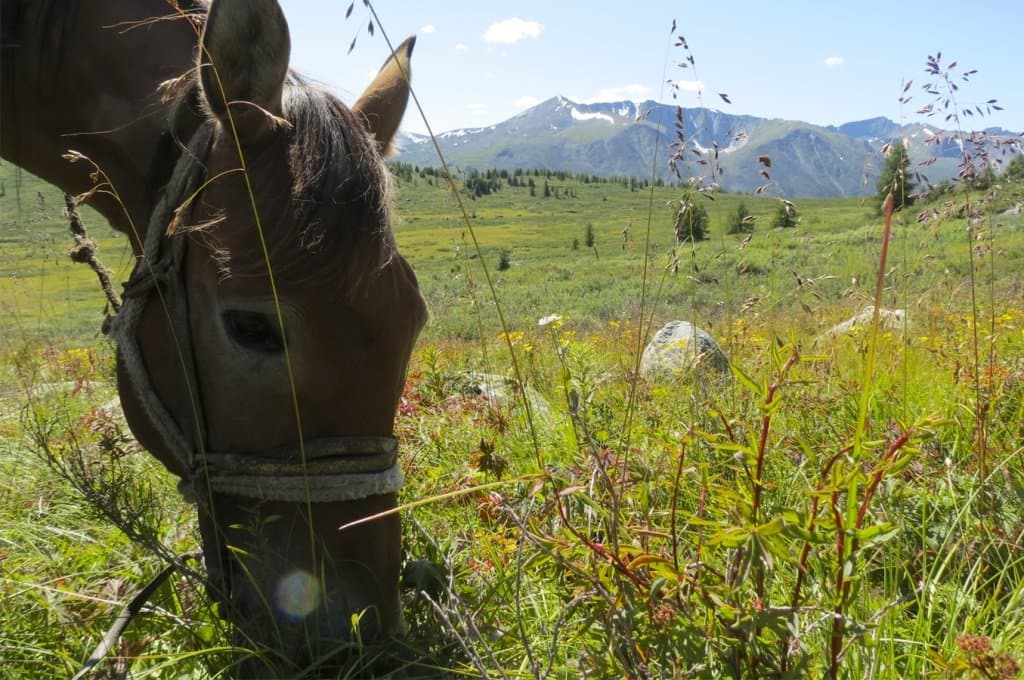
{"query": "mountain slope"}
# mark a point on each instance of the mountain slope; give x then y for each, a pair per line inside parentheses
(627, 138)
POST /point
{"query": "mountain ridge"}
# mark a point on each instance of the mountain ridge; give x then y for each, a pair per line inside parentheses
(628, 138)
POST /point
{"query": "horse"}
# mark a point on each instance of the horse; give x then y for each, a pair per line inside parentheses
(269, 320)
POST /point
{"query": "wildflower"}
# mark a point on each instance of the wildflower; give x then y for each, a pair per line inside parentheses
(513, 337)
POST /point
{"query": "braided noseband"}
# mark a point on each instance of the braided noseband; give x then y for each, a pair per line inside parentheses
(319, 470)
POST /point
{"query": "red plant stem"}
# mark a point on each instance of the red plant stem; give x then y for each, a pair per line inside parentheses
(762, 445)
(887, 208)
(606, 555)
(815, 506)
(879, 473)
(727, 426)
(805, 552)
(675, 500)
(842, 585)
(841, 589)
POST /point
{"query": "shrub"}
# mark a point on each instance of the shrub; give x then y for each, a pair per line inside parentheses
(691, 221)
(785, 215)
(741, 222)
(504, 259)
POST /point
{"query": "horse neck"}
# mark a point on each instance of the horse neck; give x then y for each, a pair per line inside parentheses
(85, 77)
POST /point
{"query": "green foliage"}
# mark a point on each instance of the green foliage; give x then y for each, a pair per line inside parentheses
(477, 184)
(1015, 169)
(741, 221)
(692, 221)
(785, 215)
(588, 236)
(895, 178)
(983, 178)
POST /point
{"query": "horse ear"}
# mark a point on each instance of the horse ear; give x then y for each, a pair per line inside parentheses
(243, 60)
(382, 105)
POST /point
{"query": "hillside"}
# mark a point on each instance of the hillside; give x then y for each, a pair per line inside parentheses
(631, 139)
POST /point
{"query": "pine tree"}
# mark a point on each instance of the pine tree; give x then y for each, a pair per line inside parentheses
(785, 215)
(742, 222)
(1015, 169)
(691, 222)
(894, 179)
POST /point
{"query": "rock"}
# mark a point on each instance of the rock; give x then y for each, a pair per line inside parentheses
(501, 392)
(680, 347)
(888, 319)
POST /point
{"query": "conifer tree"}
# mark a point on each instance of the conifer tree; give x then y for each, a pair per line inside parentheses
(894, 178)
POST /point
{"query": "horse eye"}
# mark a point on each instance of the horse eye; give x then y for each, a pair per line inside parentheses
(253, 331)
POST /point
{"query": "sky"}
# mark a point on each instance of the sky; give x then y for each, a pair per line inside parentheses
(477, 63)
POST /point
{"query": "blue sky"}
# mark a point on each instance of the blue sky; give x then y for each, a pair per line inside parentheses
(478, 63)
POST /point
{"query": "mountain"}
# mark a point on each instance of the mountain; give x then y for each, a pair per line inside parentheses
(631, 139)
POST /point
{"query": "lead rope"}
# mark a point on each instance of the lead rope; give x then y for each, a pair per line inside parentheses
(84, 252)
(129, 612)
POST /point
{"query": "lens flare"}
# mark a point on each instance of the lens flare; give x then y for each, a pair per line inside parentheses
(298, 594)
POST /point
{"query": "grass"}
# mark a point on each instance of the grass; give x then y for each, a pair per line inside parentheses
(728, 529)
(44, 297)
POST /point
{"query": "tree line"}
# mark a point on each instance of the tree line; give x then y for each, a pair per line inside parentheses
(540, 181)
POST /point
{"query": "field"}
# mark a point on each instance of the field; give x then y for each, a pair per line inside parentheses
(849, 505)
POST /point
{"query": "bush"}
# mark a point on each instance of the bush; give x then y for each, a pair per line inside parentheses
(1015, 168)
(785, 215)
(504, 259)
(691, 221)
(741, 222)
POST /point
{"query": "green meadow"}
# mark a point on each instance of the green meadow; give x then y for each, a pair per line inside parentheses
(848, 506)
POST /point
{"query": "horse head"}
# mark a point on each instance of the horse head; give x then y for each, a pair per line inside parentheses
(266, 335)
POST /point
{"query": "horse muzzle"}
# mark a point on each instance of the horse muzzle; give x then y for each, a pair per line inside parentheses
(298, 590)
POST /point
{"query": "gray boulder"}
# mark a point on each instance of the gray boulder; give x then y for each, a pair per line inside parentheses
(679, 348)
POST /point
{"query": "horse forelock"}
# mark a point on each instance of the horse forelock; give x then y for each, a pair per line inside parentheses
(336, 223)
(340, 186)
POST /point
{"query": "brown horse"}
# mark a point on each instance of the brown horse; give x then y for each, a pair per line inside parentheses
(269, 321)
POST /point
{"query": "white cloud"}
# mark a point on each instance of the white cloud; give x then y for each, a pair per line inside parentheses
(689, 85)
(526, 101)
(428, 29)
(511, 31)
(461, 47)
(478, 109)
(834, 62)
(631, 92)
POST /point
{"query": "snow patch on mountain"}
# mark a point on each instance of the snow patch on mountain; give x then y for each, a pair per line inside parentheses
(581, 115)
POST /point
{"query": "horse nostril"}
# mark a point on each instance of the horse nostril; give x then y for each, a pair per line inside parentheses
(298, 594)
